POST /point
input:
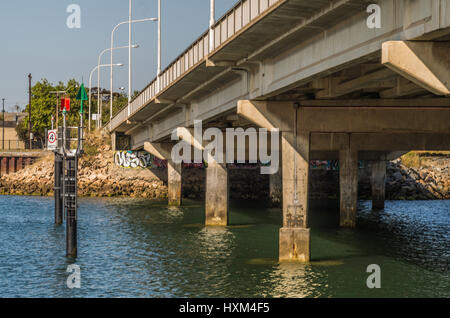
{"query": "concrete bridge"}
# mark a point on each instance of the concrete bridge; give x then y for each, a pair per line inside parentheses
(335, 88)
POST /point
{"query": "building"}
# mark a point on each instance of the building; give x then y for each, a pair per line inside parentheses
(10, 140)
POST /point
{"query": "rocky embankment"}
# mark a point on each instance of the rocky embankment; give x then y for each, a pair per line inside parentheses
(100, 177)
(430, 181)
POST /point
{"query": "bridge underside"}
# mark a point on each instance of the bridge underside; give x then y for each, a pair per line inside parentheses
(334, 89)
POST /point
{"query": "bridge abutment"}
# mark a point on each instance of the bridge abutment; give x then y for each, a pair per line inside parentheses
(378, 184)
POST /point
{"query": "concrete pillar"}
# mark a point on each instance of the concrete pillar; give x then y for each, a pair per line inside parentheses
(12, 165)
(174, 183)
(163, 151)
(113, 141)
(19, 163)
(295, 237)
(217, 193)
(4, 166)
(276, 190)
(378, 184)
(348, 181)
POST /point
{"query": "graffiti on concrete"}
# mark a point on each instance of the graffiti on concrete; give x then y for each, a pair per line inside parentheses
(138, 159)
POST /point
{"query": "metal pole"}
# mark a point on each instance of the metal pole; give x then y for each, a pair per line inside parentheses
(212, 21)
(29, 110)
(3, 133)
(57, 188)
(111, 62)
(129, 55)
(71, 216)
(158, 81)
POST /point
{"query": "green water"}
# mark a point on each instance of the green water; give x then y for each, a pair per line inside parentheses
(139, 248)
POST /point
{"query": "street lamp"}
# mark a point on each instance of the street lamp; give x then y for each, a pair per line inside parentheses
(3, 132)
(135, 46)
(212, 21)
(90, 85)
(129, 22)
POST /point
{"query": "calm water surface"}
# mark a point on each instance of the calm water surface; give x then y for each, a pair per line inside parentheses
(138, 248)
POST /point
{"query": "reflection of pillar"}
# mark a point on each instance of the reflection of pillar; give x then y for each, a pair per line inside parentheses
(217, 192)
(378, 184)
(174, 183)
(348, 180)
(295, 234)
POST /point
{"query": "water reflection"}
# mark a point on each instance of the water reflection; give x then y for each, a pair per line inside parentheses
(137, 248)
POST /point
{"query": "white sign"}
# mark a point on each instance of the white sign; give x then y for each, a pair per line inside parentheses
(52, 140)
(95, 116)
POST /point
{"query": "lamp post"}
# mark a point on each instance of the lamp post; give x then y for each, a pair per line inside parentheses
(158, 74)
(90, 85)
(29, 110)
(3, 132)
(98, 64)
(212, 21)
(111, 62)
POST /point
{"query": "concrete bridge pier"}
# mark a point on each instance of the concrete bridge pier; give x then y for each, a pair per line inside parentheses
(348, 183)
(217, 195)
(295, 236)
(163, 151)
(378, 184)
(174, 183)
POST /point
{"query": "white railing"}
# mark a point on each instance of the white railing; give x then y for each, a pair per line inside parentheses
(226, 27)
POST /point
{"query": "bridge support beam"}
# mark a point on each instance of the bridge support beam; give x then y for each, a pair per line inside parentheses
(426, 64)
(163, 151)
(348, 181)
(378, 184)
(217, 194)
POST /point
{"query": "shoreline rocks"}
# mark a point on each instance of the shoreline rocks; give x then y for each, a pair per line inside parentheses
(100, 177)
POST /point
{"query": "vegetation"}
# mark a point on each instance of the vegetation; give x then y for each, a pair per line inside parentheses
(415, 159)
(44, 105)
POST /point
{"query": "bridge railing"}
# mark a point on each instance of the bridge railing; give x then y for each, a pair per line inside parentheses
(243, 13)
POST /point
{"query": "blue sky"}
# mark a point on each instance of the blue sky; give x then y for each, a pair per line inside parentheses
(34, 38)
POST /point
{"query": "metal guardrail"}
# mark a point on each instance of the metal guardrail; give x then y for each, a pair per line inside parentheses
(12, 145)
(226, 27)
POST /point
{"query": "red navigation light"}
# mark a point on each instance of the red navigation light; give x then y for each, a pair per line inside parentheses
(65, 104)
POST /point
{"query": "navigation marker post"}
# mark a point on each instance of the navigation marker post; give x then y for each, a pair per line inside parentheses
(66, 171)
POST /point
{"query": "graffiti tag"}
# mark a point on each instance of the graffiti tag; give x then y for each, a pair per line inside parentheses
(138, 159)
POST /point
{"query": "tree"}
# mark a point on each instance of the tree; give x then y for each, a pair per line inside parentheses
(43, 108)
